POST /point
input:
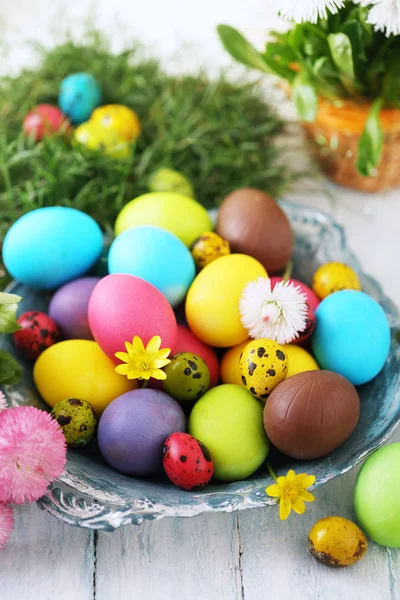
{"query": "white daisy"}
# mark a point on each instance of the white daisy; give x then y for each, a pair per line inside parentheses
(308, 10)
(3, 402)
(384, 15)
(277, 315)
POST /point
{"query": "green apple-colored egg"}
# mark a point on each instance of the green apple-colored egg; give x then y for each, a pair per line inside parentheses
(229, 421)
(377, 496)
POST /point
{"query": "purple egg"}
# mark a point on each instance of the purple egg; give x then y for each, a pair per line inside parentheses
(133, 428)
(69, 308)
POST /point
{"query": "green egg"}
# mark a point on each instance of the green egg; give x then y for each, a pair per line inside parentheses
(188, 377)
(168, 180)
(77, 419)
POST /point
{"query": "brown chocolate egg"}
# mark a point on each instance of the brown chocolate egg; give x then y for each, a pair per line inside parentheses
(311, 414)
(254, 224)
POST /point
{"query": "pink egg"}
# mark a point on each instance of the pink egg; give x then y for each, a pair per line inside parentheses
(186, 341)
(122, 306)
(312, 299)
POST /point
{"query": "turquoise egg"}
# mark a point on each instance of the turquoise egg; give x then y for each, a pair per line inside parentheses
(79, 95)
(49, 246)
(157, 256)
(352, 336)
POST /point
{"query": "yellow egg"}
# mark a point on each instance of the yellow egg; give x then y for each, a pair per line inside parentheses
(95, 137)
(333, 277)
(212, 303)
(337, 542)
(299, 360)
(79, 369)
(263, 365)
(181, 215)
(229, 369)
(119, 118)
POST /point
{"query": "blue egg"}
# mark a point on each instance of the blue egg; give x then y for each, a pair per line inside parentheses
(80, 94)
(157, 256)
(49, 246)
(352, 336)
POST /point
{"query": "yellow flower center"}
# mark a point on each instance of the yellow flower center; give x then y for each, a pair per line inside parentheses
(144, 365)
(291, 492)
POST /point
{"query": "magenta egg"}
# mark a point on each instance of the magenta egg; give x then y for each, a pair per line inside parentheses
(69, 308)
(312, 300)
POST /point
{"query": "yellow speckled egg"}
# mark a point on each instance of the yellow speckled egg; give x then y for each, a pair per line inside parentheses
(229, 369)
(337, 542)
(212, 303)
(95, 137)
(79, 369)
(299, 360)
(208, 247)
(119, 118)
(333, 277)
(263, 365)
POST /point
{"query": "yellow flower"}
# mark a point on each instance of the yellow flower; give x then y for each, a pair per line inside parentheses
(141, 362)
(292, 491)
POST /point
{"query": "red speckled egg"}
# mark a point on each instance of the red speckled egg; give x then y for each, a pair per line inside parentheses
(38, 332)
(187, 462)
(44, 120)
(186, 341)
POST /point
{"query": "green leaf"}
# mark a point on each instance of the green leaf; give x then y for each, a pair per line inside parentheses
(240, 49)
(10, 369)
(371, 142)
(342, 53)
(305, 98)
(8, 312)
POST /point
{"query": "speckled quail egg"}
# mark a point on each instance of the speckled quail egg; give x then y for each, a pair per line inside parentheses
(208, 247)
(77, 419)
(263, 365)
(333, 277)
(188, 377)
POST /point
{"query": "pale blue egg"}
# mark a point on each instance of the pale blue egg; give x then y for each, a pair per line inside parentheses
(79, 95)
(352, 336)
(157, 256)
(49, 246)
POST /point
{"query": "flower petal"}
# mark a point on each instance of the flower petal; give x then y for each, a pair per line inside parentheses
(138, 374)
(158, 374)
(281, 480)
(137, 344)
(285, 507)
(129, 348)
(290, 475)
(123, 369)
(122, 356)
(305, 480)
(275, 490)
(298, 506)
(154, 345)
(306, 496)
(160, 362)
(163, 353)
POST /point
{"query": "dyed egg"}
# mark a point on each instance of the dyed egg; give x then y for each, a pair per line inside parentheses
(311, 322)
(333, 277)
(312, 299)
(78, 369)
(230, 367)
(77, 420)
(352, 336)
(263, 365)
(44, 120)
(209, 247)
(188, 377)
(38, 332)
(157, 256)
(186, 341)
(337, 542)
(79, 95)
(182, 216)
(69, 308)
(212, 303)
(168, 180)
(228, 420)
(187, 462)
(376, 496)
(118, 118)
(122, 306)
(95, 137)
(49, 246)
(299, 360)
(133, 429)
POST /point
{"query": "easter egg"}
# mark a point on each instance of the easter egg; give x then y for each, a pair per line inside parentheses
(352, 336)
(228, 420)
(263, 365)
(78, 369)
(299, 360)
(188, 377)
(337, 542)
(77, 420)
(333, 277)
(254, 224)
(311, 414)
(157, 256)
(123, 306)
(79, 95)
(97, 138)
(376, 496)
(133, 429)
(181, 215)
(230, 367)
(208, 247)
(44, 120)
(69, 308)
(49, 246)
(212, 303)
(168, 180)
(312, 299)
(118, 118)
(186, 341)
(187, 462)
(39, 331)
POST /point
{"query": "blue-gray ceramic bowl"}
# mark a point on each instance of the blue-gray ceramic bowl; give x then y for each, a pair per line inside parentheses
(90, 494)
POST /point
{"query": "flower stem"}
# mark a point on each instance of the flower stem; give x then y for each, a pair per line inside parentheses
(271, 472)
(288, 271)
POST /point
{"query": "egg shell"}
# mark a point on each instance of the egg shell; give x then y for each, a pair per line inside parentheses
(299, 360)
(208, 247)
(168, 180)
(133, 429)
(39, 331)
(49, 246)
(78, 369)
(230, 368)
(312, 299)
(187, 462)
(186, 341)
(77, 420)
(337, 542)
(333, 277)
(122, 306)
(181, 215)
(188, 377)
(44, 120)
(69, 308)
(119, 118)
(212, 303)
(352, 336)
(263, 366)
(254, 224)
(79, 95)
(157, 256)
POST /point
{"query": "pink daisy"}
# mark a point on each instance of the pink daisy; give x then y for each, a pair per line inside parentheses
(3, 402)
(32, 454)
(6, 524)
